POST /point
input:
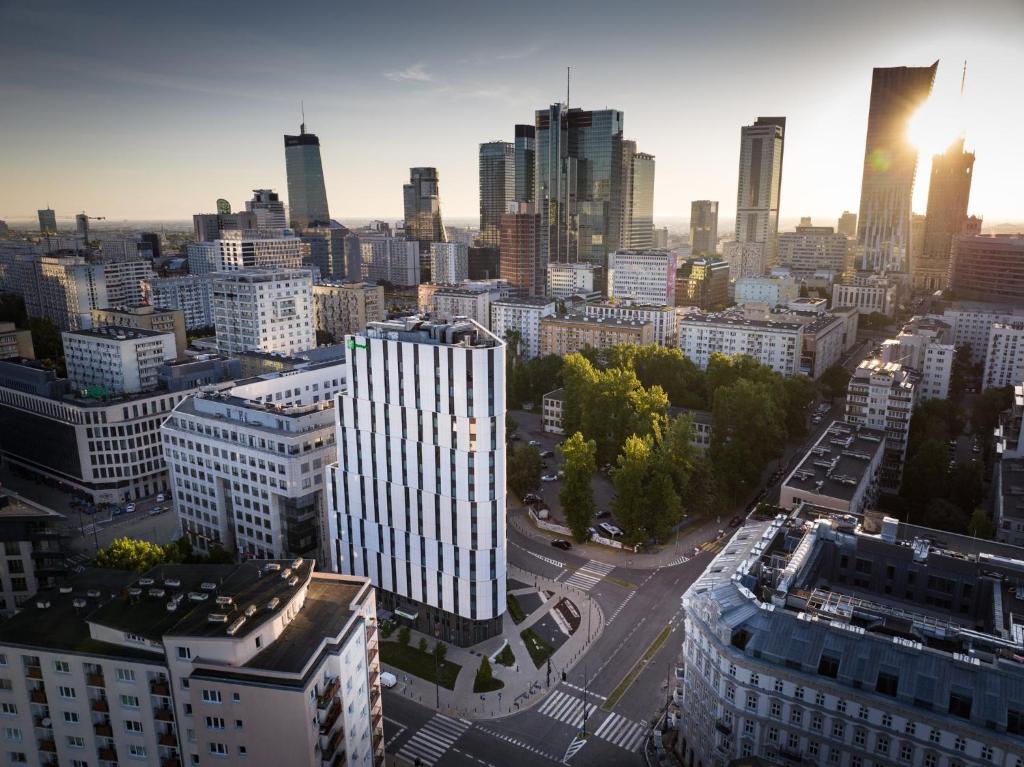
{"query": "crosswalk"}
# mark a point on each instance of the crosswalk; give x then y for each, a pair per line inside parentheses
(621, 732)
(712, 546)
(589, 575)
(433, 740)
(567, 708)
(681, 560)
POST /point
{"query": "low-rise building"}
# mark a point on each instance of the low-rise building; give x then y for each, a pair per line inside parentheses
(14, 342)
(570, 333)
(869, 295)
(262, 663)
(522, 317)
(552, 409)
(775, 344)
(882, 395)
(662, 318)
(145, 317)
(116, 359)
(577, 278)
(701, 420)
(340, 308)
(35, 551)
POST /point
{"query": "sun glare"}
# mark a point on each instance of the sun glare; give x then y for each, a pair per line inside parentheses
(937, 124)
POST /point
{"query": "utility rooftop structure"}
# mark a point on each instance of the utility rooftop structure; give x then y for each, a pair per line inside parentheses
(833, 642)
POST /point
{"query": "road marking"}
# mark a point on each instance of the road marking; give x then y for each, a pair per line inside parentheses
(580, 689)
(568, 708)
(517, 742)
(588, 576)
(621, 732)
(433, 740)
(471, 757)
(618, 609)
(574, 747)
(400, 729)
(541, 557)
(678, 561)
(713, 546)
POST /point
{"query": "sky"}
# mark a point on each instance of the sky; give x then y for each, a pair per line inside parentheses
(144, 110)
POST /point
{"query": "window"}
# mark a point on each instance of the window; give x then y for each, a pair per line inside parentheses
(778, 685)
(130, 701)
(930, 760)
(71, 717)
(8, 709)
(242, 751)
(863, 712)
(906, 752)
(816, 720)
(796, 716)
(752, 701)
(62, 667)
(859, 736)
(798, 692)
(935, 736)
(12, 734)
(773, 734)
(235, 698)
(748, 726)
(76, 741)
(18, 757)
(882, 744)
(184, 653)
(755, 680)
(819, 699)
(214, 723)
(218, 749)
(66, 692)
(131, 725)
(126, 675)
(838, 729)
(887, 683)
(137, 750)
(960, 705)
(211, 696)
(887, 720)
(986, 753)
(238, 723)
(841, 706)
(828, 666)
(960, 744)
(775, 709)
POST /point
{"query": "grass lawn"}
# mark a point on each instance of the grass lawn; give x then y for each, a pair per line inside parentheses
(490, 685)
(514, 609)
(417, 663)
(506, 657)
(538, 648)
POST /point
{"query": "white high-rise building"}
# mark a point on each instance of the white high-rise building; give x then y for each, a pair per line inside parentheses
(120, 359)
(189, 294)
(882, 395)
(274, 436)
(646, 277)
(972, 323)
(760, 182)
(268, 209)
(390, 259)
(264, 309)
(449, 262)
(926, 345)
(418, 493)
(577, 278)
(521, 316)
(1004, 355)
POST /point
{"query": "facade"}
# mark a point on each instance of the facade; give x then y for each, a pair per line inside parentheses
(269, 310)
(1004, 356)
(825, 339)
(189, 295)
(124, 279)
(390, 259)
(760, 183)
(208, 226)
(307, 194)
(35, 551)
(552, 409)
(497, 190)
(525, 162)
(412, 534)
(882, 395)
(847, 225)
(47, 221)
(745, 259)
(522, 317)
(334, 250)
(566, 280)
(1008, 477)
(341, 308)
(188, 665)
(422, 200)
(449, 262)
(119, 360)
(792, 655)
(948, 194)
(972, 323)
(988, 267)
(774, 291)
(643, 277)
(812, 249)
(703, 227)
(702, 282)
(566, 334)
(637, 219)
(14, 342)
(263, 445)
(926, 345)
(869, 296)
(519, 236)
(145, 317)
(890, 164)
(268, 208)
(261, 249)
(775, 344)
(662, 318)
(484, 262)
(448, 302)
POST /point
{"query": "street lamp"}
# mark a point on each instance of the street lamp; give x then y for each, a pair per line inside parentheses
(437, 689)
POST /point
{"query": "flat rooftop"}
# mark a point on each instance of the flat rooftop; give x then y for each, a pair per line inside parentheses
(15, 507)
(118, 332)
(733, 319)
(530, 301)
(839, 461)
(590, 320)
(416, 329)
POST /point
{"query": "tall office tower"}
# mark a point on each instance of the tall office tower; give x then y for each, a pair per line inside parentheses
(890, 163)
(578, 184)
(47, 221)
(484, 262)
(525, 162)
(637, 229)
(82, 226)
(948, 193)
(521, 264)
(208, 226)
(916, 243)
(703, 227)
(266, 205)
(660, 238)
(266, 309)
(423, 208)
(428, 525)
(497, 188)
(760, 181)
(984, 267)
(449, 263)
(307, 195)
(847, 224)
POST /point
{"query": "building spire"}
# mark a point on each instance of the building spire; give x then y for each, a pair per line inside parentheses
(568, 71)
(302, 125)
(963, 79)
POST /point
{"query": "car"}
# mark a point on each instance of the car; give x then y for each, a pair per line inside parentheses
(387, 679)
(531, 498)
(602, 513)
(612, 531)
(157, 510)
(548, 454)
(129, 509)
(515, 438)
(559, 543)
(549, 478)
(736, 521)
(534, 443)
(160, 498)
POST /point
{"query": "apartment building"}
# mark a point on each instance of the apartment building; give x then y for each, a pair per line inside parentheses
(869, 295)
(972, 323)
(565, 334)
(257, 249)
(775, 344)
(34, 550)
(417, 496)
(522, 317)
(552, 411)
(814, 248)
(14, 342)
(646, 277)
(390, 259)
(449, 262)
(266, 309)
(247, 463)
(987, 267)
(119, 360)
(812, 639)
(746, 259)
(263, 663)
(340, 308)
(770, 290)
(578, 278)
(145, 317)
(662, 318)
(189, 294)
(924, 344)
(703, 282)
(1004, 355)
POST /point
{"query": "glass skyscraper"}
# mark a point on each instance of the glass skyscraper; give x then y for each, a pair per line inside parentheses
(760, 184)
(525, 152)
(307, 195)
(497, 187)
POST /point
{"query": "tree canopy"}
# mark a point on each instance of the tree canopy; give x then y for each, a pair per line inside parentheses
(577, 494)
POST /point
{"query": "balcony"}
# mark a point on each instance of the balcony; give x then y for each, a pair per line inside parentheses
(371, 631)
(723, 727)
(332, 716)
(34, 672)
(38, 696)
(325, 698)
(103, 730)
(108, 754)
(375, 720)
(332, 744)
(100, 705)
(160, 687)
(168, 739)
(48, 746)
(164, 714)
(371, 655)
(95, 680)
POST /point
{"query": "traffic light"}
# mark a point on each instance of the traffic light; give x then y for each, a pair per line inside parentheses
(563, 676)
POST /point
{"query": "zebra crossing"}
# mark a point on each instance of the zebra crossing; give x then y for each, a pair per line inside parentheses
(712, 546)
(681, 560)
(433, 740)
(589, 575)
(567, 708)
(622, 732)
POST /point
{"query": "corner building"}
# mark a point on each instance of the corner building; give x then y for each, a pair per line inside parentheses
(417, 497)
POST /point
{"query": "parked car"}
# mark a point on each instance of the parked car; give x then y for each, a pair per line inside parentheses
(129, 509)
(558, 543)
(387, 679)
(591, 532)
(601, 513)
(612, 531)
(515, 438)
(548, 478)
(531, 498)
(160, 498)
(548, 454)
(534, 443)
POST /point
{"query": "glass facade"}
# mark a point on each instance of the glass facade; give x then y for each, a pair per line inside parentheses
(525, 153)
(497, 187)
(307, 195)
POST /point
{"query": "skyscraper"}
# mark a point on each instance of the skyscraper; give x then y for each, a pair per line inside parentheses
(82, 226)
(307, 196)
(423, 210)
(268, 209)
(578, 183)
(47, 221)
(636, 216)
(497, 187)
(760, 183)
(890, 162)
(520, 261)
(525, 161)
(948, 193)
(847, 224)
(703, 227)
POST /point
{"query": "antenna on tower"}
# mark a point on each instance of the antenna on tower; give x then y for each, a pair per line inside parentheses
(963, 79)
(302, 126)
(568, 70)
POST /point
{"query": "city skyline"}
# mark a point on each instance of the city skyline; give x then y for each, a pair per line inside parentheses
(142, 145)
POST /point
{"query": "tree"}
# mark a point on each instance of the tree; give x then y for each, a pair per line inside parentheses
(629, 479)
(577, 494)
(925, 476)
(46, 340)
(12, 309)
(943, 515)
(131, 554)
(797, 396)
(987, 408)
(422, 645)
(578, 379)
(834, 381)
(523, 469)
(440, 651)
(981, 525)
(404, 635)
(484, 674)
(749, 428)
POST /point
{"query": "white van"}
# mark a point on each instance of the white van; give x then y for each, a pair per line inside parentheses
(387, 679)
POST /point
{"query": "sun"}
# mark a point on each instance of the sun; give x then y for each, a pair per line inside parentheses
(936, 124)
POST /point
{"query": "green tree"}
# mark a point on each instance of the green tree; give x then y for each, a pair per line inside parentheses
(484, 674)
(834, 381)
(987, 407)
(440, 652)
(579, 378)
(967, 485)
(662, 508)
(422, 645)
(925, 476)
(46, 340)
(577, 494)
(981, 525)
(943, 515)
(12, 309)
(131, 554)
(404, 635)
(796, 397)
(630, 478)
(523, 469)
(749, 427)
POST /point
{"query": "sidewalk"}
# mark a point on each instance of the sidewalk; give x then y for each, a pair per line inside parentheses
(524, 684)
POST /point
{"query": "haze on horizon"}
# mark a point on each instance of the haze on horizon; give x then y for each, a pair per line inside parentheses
(140, 111)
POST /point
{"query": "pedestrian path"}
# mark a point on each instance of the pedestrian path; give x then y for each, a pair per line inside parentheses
(568, 708)
(517, 742)
(589, 575)
(622, 732)
(433, 740)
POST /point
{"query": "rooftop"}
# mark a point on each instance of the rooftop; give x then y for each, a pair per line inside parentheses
(15, 507)
(586, 319)
(117, 332)
(531, 301)
(415, 329)
(733, 318)
(839, 461)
